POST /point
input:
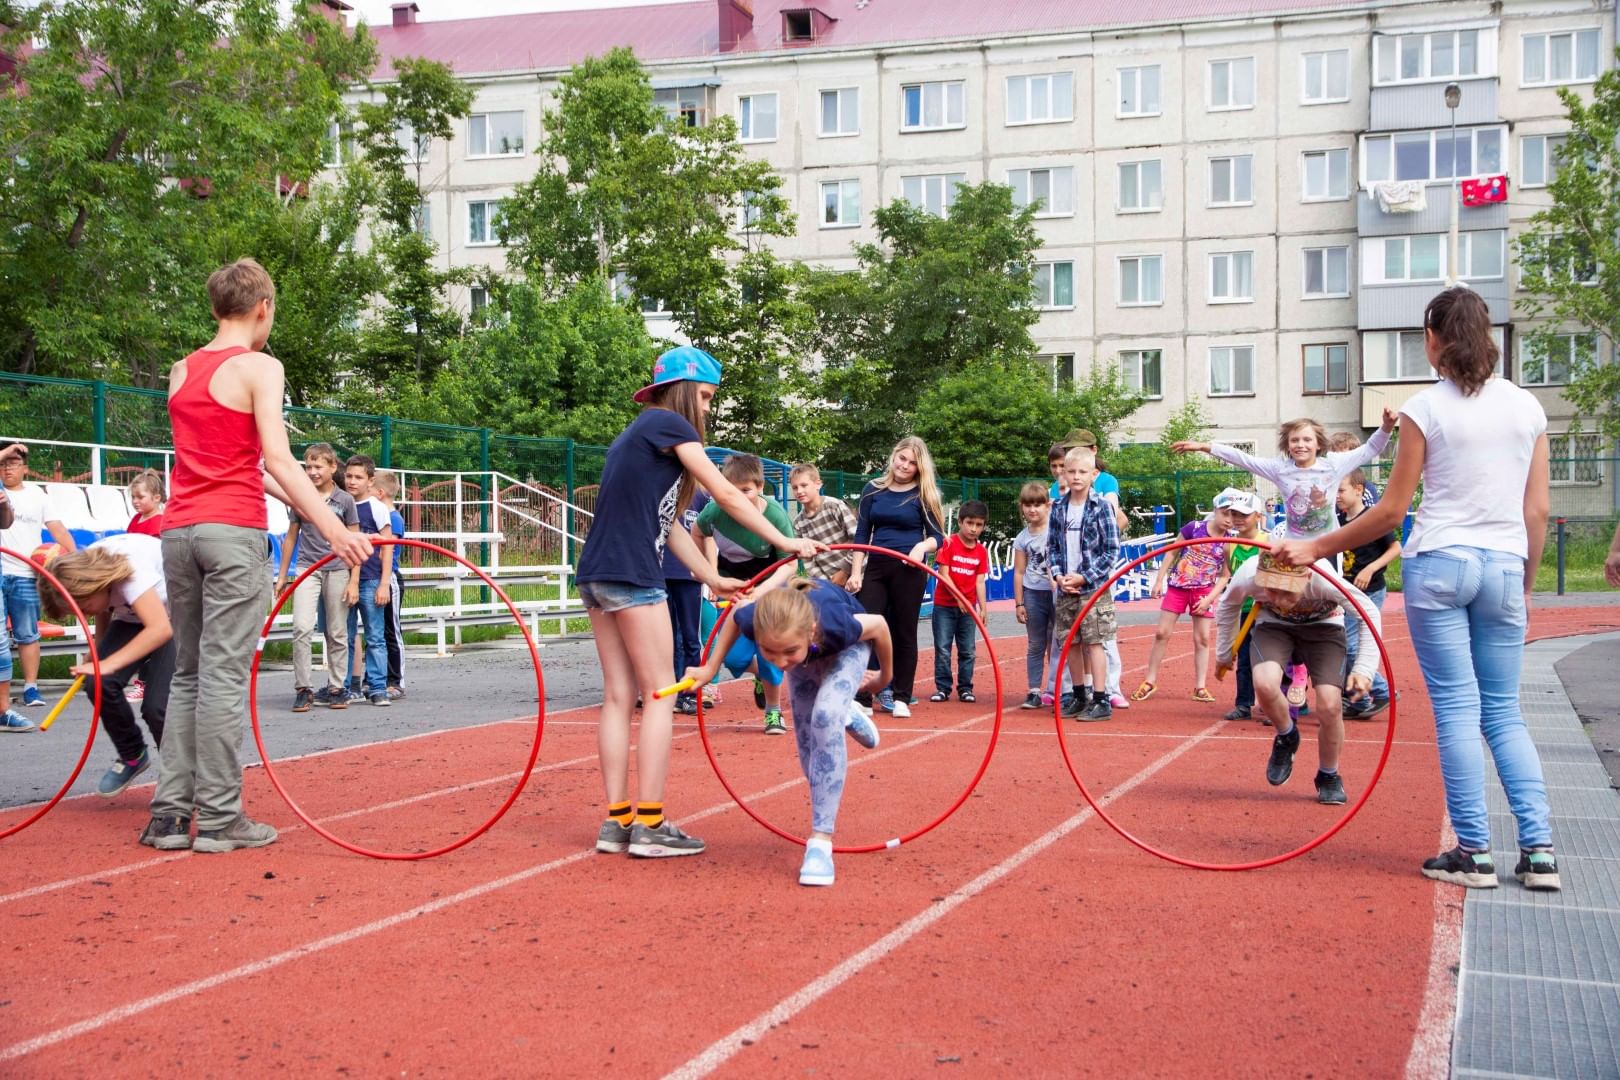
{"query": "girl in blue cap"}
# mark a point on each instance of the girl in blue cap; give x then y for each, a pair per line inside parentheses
(651, 472)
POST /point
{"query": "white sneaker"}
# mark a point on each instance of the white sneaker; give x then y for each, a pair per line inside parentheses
(860, 726)
(817, 868)
(901, 709)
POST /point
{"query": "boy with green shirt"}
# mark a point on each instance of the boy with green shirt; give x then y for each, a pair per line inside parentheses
(1249, 512)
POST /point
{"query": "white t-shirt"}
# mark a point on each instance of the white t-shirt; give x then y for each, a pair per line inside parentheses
(145, 555)
(33, 508)
(1307, 493)
(1475, 467)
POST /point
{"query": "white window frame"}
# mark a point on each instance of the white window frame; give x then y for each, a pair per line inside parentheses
(1527, 264)
(748, 117)
(1375, 251)
(416, 148)
(1119, 186)
(1574, 33)
(1048, 302)
(1231, 162)
(477, 299)
(422, 219)
(1425, 373)
(1469, 242)
(1326, 154)
(624, 294)
(1570, 341)
(1059, 98)
(1136, 266)
(1544, 157)
(1326, 254)
(483, 118)
(1046, 210)
(1435, 134)
(1484, 56)
(1234, 102)
(947, 184)
(1325, 58)
(1229, 353)
(1057, 361)
(1232, 259)
(339, 149)
(949, 91)
(1328, 390)
(1563, 447)
(853, 117)
(492, 217)
(1132, 365)
(821, 204)
(1136, 74)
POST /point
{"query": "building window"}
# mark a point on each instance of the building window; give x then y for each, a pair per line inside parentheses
(624, 294)
(932, 106)
(1395, 356)
(840, 204)
(1231, 84)
(1561, 255)
(756, 118)
(1548, 361)
(483, 222)
(1387, 260)
(479, 298)
(415, 147)
(688, 106)
(1539, 159)
(498, 134)
(1141, 280)
(1564, 57)
(1141, 186)
(1431, 155)
(1481, 256)
(422, 220)
(1142, 370)
(1231, 277)
(1440, 54)
(840, 112)
(1231, 180)
(1327, 175)
(337, 148)
(1054, 285)
(1231, 370)
(1575, 458)
(1062, 365)
(934, 192)
(753, 210)
(1327, 272)
(1138, 91)
(1050, 191)
(1040, 99)
(1327, 369)
(1325, 77)
(799, 25)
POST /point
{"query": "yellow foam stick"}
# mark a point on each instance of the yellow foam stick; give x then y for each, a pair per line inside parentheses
(1237, 642)
(56, 710)
(684, 684)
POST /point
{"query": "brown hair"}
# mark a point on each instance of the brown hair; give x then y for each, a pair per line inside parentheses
(321, 451)
(785, 613)
(1056, 453)
(804, 470)
(681, 398)
(1461, 323)
(1294, 425)
(83, 573)
(235, 289)
(1033, 494)
(365, 462)
(151, 482)
(741, 468)
(1357, 478)
(1344, 440)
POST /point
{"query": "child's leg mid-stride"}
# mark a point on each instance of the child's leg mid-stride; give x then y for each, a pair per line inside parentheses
(823, 692)
(1161, 642)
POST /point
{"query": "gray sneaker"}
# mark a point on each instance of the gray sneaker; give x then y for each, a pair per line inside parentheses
(612, 837)
(121, 775)
(167, 833)
(663, 842)
(241, 833)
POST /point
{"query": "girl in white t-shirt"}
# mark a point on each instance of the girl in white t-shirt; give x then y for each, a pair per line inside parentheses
(1479, 444)
(118, 582)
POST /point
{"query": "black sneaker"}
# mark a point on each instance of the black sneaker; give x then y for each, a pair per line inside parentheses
(303, 699)
(167, 833)
(381, 699)
(1281, 765)
(323, 696)
(1538, 870)
(759, 694)
(1239, 714)
(1032, 700)
(1099, 709)
(1074, 704)
(1329, 789)
(686, 703)
(1470, 869)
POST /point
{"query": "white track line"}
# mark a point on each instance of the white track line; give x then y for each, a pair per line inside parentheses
(724, 1048)
(1430, 1056)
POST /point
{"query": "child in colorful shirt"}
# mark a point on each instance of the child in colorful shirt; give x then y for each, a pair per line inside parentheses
(1186, 580)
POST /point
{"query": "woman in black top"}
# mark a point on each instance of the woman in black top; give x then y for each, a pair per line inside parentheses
(901, 511)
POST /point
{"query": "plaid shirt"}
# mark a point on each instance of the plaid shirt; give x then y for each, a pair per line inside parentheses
(834, 524)
(1099, 540)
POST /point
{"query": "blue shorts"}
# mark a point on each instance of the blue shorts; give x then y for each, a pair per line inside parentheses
(611, 596)
(22, 606)
(744, 653)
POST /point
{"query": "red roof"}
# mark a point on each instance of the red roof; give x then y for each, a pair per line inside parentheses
(552, 40)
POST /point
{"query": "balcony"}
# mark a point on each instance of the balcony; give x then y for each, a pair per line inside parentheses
(1423, 105)
(1372, 221)
(1400, 307)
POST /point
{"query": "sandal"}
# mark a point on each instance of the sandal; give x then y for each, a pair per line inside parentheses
(1144, 692)
(1296, 693)
(1203, 695)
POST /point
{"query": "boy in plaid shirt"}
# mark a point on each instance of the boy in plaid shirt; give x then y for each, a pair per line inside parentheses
(827, 521)
(1082, 547)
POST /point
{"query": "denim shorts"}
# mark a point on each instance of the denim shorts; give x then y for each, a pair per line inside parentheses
(611, 596)
(22, 604)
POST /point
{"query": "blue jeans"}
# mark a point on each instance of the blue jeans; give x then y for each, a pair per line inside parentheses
(1465, 607)
(1245, 677)
(374, 615)
(1352, 637)
(954, 626)
(1038, 623)
(22, 606)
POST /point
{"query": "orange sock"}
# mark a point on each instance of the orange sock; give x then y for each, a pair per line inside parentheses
(620, 812)
(650, 814)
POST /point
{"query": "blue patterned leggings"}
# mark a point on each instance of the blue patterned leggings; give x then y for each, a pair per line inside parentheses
(822, 692)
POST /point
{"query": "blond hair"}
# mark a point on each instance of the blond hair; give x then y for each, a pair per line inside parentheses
(321, 451)
(82, 574)
(786, 613)
(1081, 455)
(1292, 426)
(234, 290)
(151, 482)
(927, 485)
(386, 482)
(1033, 494)
(743, 468)
(804, 470)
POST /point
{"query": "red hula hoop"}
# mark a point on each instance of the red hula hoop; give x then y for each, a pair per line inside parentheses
(1389, 736)
(534, 750)
(95, 708)
(995, 731)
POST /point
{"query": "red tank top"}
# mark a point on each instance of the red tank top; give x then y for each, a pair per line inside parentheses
(217, 477)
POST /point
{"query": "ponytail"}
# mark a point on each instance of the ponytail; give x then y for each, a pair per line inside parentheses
(1461, 324)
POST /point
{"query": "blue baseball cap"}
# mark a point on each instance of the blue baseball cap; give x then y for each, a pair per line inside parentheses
(681, 364)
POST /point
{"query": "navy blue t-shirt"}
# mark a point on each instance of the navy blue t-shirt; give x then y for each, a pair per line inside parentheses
(837, 626)
(370, 525)
(674, 569)
(894, 519)
(636, 502)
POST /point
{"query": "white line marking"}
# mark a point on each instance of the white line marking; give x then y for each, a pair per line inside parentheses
(1430, 1056)
(39, 890)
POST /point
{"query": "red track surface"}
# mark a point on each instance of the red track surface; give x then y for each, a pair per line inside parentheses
(1022, 937)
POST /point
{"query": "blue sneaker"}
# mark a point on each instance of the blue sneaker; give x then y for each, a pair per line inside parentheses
(817, 868)
(885, 700)
(860, 727)
(33, 698)
(12, 720)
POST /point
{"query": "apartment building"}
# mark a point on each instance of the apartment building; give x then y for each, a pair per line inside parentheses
(1208, 175)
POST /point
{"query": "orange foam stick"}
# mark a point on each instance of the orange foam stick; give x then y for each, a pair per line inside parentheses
(56, 710)
(684, 684)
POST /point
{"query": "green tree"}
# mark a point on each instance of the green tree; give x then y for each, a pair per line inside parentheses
(1151, 474)
(1570, 256)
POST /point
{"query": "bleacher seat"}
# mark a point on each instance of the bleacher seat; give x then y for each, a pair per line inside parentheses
(109, 507)
(68, 501)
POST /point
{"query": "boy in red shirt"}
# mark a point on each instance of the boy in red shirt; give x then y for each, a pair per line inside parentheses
(966, 563)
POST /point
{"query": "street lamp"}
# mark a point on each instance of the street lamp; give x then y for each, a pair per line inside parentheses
(1453, 99)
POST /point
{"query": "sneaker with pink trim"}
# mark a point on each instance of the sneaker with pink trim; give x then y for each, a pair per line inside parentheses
(1119, 701)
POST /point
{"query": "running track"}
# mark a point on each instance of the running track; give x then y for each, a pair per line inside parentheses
(1021, 937)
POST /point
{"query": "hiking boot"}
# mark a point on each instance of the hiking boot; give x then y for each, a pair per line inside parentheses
(241, 833)
(1032, 700)
(1074, 704)
(303, 699)
(665, 841)
(773, 722)
(167, 833)
(15, 722)
(1538, 870)
(1329, 789)
(759, 694)
(817, 868)
(121, 775)
(860, 727)
(1281, 765)
(612, 837)
(1470, 869)
(1099, 709)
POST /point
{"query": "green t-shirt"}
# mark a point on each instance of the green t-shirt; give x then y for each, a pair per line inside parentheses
(736, 543)
(1237, 555)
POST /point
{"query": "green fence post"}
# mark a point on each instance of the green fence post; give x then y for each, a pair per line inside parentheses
(387, 454)
(99, 411)
(568, 489)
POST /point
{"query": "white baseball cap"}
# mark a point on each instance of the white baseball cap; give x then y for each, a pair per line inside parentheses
(1239, 501)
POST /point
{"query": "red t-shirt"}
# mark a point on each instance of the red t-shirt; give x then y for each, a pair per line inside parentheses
(152, 526)
(964, 566)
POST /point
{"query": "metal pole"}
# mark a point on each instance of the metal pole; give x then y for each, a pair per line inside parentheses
(1456, 200)
(1561, 537)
